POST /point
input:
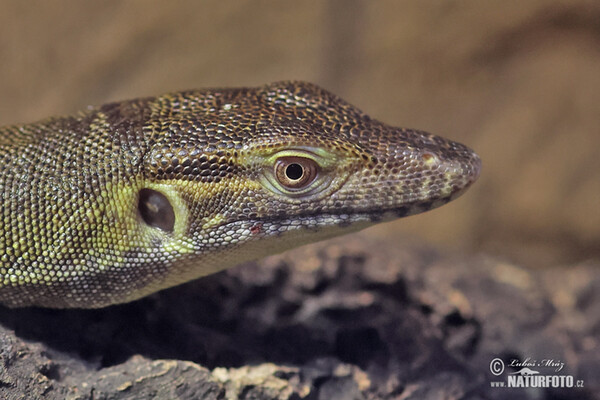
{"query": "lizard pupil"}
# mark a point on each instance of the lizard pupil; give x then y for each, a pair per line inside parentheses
(294, 171)
(156, 210)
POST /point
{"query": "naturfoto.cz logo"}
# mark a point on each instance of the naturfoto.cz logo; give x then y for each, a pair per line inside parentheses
(529, 376)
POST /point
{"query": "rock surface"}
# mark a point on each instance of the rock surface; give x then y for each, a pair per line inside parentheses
(347, 319)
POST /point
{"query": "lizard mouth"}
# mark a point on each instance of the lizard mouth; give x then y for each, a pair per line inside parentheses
(346, 217)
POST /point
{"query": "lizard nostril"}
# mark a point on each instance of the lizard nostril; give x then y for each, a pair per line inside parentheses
(429, 158)
(156, 210)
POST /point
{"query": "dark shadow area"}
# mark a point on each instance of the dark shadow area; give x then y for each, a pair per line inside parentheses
(226, 321)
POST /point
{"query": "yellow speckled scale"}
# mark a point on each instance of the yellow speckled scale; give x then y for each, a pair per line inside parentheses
(129, 198)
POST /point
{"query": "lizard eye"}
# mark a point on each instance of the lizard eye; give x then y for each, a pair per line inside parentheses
(295, 172)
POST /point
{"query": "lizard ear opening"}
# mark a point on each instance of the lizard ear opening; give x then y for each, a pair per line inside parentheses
(156, 210)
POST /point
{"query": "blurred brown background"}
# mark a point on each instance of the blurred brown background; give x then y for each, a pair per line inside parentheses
(517, 81)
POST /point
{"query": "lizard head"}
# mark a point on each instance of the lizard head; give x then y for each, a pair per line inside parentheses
(132, 197)
(235, 174)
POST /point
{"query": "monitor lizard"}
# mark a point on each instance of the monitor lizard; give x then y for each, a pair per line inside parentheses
(128, 198)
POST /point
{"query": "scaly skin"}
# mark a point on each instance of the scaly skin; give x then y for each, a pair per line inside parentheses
(133, 197)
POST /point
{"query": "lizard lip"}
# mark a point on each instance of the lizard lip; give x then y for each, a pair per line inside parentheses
(347, 217)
